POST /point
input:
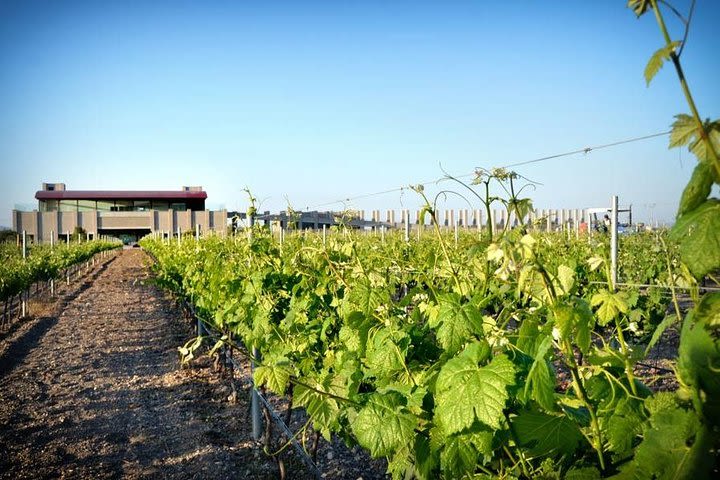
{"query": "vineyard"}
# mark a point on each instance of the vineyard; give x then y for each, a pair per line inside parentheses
(511, 358)
(42, 265)
(498, 352)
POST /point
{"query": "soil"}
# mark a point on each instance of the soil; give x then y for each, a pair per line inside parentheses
(91, 387)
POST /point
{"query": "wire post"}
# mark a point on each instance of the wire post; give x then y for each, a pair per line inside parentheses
(257, 428)
(197, 232)
(382, 234)
(52, 246)
(613, 241)
(324, 236)
(406, 214)
(24, 256)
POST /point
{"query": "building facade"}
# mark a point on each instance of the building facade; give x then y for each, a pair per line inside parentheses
(125, 214)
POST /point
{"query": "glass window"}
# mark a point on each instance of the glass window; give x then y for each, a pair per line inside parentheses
(178, 207)
(68, 205)
(86, 205)
(142, 205)
(123, 206)
(159, 205)
(105, 205)
(48, 205)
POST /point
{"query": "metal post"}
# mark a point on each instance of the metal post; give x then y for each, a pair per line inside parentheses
(257, 427)
(382, 234)
(197, 231)
(52, 246)
(179, 234)
(613, 241)
(407, 225)
(67, 238)
(324, 237)
(24, 256)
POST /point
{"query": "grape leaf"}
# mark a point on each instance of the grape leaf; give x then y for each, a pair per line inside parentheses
(658, 58)
(459, 456)
(699, 354)
(322, 409)
(383, 425)
(611, 305)
(541, 379)
(639, 6)
(466, 392)
(697, 234)
(275, 376)
(684, 130)
(456, 322)
(697, 189)
(542, 434)
(566, 276)
(674, 445)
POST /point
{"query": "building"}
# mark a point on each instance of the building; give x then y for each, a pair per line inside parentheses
(126, 214)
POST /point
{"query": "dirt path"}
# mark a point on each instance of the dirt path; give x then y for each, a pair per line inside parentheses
(92, 389)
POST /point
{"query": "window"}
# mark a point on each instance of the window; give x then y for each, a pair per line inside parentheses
(142, 205)
(48, 205)
(86, 205)
(180, 207)
(105, 206)
(68, 205)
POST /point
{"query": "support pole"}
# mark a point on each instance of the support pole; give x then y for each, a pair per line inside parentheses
(407, 224)
(255, 413)
(613, 241)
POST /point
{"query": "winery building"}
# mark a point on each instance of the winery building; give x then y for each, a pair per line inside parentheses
(120, 213)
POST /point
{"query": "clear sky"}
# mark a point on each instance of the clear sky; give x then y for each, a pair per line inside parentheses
(320, 101)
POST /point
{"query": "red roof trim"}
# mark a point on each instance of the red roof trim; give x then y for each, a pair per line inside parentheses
(118, 195)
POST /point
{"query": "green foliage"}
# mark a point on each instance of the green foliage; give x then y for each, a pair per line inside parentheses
(658, 58)
(543, 435)
(467, 392)
(697, 233)
(384, 425)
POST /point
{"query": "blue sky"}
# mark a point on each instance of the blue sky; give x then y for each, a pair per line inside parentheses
(319, 101)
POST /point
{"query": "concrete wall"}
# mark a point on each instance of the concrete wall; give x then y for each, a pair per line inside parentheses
(41, 225)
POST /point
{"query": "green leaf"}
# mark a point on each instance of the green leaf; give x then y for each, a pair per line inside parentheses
(384, 425)
(675, 445)
(699, 354)
(624, 425)
(639, 6)
(566, 276)
(459, 456)
(684, 130)
(542, 434)
(584, 473)
(697, 189)
(701, 147)
(466, 392)
(457, 322)
(322, 409)
(276, 376)
(697, 234)
(383, 355)
(595, 263)
(575, 321)
(611, 305)
(658, 58)
(659, 330)
(541, 377)
(426, 459)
